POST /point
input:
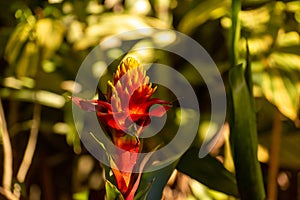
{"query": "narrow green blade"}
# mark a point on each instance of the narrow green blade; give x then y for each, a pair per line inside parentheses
(243, 136)
(112, 193)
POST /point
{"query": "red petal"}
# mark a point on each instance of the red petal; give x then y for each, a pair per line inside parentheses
(84, 104)
(159, 111)
(134, 188)
(119, 177)
(91, 105)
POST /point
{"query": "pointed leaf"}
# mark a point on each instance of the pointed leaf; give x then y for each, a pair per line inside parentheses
(209, 171)
(243, 137)
(157, 180)
(112, 193)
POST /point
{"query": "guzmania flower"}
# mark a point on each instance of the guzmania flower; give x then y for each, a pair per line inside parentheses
(125, 111)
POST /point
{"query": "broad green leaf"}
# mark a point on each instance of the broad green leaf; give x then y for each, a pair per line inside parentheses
(243, 136)
(275, 52)
(157, 180)
(280, 89)
(205, 10)
(255, 20)
(279, 80)
(146, 181)
(209, 171)
(112, 24)
(49, 34)
(112, 193)
(287, 61)
(258, 45)
(142, 194)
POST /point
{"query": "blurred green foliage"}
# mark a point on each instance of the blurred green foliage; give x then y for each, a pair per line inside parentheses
(43, 43)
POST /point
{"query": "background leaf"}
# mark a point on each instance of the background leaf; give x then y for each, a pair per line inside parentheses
(203, 12)
(154, 182)
(209, 171)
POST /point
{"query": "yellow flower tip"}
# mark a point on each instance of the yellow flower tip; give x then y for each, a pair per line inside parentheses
(154, 89)
(111, 84)
(126, 66)
(146, 80)
(140, 90)
(123, 68)
(131, 62)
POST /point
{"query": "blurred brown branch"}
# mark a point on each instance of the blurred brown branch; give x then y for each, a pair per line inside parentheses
(8, 158)
(274, 156)
(31, 145)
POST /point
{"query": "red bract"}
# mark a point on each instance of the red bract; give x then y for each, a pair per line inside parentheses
(126, 112)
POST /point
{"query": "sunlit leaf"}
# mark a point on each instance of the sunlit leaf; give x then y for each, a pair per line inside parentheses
(112, 24)
(17, 42)
(209, 171)
(75, 31)
(256, 19)
(257, 45)
(288, 39)
(285, 61)
(49, 35)
(28, 62)
(204, 11)
(81, 195)
(293, 6)
(280, 89)
(141, 7)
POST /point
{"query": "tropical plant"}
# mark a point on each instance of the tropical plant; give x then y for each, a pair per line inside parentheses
(255, 45)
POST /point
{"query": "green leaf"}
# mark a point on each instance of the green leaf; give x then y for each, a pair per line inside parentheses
(81, 195)
(112, 24)
(112, 193)
(17, 42)
(278, 81)
(49, 35)
(248, 73)
(28, 62)
(204, 11)
(235, 31)
(279, 88)
(151, 184)
(157, 180)
(209, 171)
(142, 194)
(243, 136)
